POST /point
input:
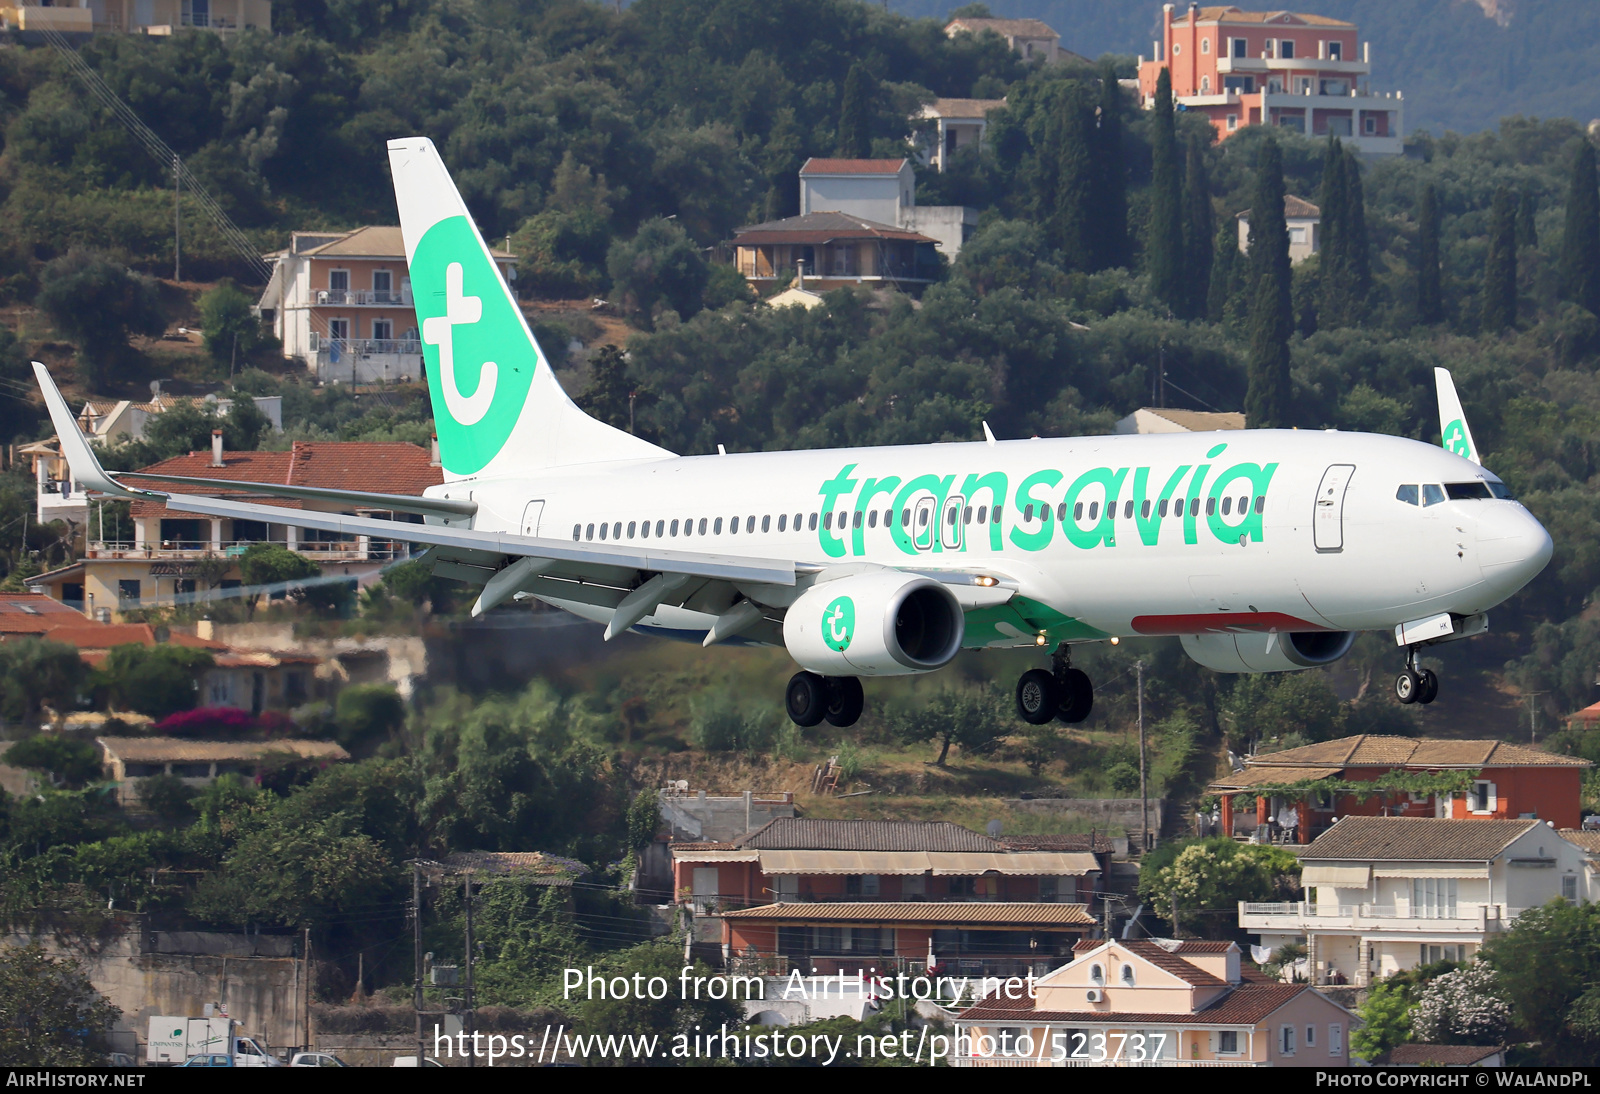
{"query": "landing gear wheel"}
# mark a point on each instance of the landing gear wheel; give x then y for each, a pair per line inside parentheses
(1077, 696)
(1430, 687)
(1408, 686)
(806, 699)
(845, 701)
(1038, 697)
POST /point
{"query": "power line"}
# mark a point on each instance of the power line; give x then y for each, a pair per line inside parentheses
(158, 148)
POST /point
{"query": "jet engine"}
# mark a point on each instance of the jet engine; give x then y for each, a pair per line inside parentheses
(1284, 652)
(874, 624)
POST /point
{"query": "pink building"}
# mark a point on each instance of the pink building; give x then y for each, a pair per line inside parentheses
(1306, 73)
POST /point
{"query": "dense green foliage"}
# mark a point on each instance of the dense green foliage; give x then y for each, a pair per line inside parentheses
(50, 1015)
(154, 680)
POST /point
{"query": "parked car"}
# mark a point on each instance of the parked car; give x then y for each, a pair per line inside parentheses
(211, 1059)
(316, 1059)
(120, 1059)
(411, 1061)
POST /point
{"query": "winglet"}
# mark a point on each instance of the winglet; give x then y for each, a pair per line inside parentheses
(86, 469)
(1454, 433)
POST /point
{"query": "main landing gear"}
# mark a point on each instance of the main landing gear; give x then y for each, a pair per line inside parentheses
(1416, 685)
(810, 698)
(1060, 691)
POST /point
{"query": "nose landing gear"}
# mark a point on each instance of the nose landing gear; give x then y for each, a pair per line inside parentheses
(1416, 685)
(1061, 692)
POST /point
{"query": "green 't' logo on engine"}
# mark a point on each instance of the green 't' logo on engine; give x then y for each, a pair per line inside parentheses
(480, 363)
(839, 623)
(1455, 439)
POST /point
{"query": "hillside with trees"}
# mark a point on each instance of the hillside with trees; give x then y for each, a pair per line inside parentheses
(1463, 64)
(617, 150)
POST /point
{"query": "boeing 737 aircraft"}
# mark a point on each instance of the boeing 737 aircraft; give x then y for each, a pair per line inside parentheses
(1262, 551)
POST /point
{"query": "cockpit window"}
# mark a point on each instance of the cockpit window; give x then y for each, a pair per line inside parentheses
(1500, 490)
(1467, 491)
(1407, 494)
(1432, 494)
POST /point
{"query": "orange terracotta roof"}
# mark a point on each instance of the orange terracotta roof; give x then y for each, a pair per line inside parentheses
(1369, 750)
(818, 166)
(377, 467)
(182, 750)
(104, 636)
(33, 613)
(1007, 28)
(1587, 838)
(1234, 15)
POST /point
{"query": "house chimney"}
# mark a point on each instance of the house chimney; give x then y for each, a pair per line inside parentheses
(205, 629)
(433, 453)
(216, 448)
(800, 273)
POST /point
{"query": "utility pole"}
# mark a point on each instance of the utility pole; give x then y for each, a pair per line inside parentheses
(1144, 790)
(305, 950)
(177, 219)
(416, 946)
(470, 1023)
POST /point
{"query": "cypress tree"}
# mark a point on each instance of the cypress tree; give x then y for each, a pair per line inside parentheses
(1226, 269)
(1357, 248)
(1500, 269)
(1333, 261)
(1164, 247)
(1430, 291)
(1198, 231)
(855, 115)
(1111, 231)
(1580, 242)
(1268, 396)
(1527, 231)
(1072, 226)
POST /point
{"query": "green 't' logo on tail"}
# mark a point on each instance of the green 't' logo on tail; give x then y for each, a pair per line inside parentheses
(1455, 439)
(839, 623)
(480, 362)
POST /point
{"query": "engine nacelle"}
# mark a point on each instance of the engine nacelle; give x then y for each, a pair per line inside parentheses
(874, 624)
(1284, 652)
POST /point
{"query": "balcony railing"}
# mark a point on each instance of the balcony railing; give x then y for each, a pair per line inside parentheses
(393, 298)
(352, 550)
(1309, 916)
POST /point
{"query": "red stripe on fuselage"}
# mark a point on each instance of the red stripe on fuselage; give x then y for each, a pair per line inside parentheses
(1221, 623)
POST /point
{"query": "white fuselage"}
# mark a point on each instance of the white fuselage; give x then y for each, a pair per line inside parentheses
(1280, 530)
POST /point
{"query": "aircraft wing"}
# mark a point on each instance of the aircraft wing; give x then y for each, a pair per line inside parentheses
(632, 580)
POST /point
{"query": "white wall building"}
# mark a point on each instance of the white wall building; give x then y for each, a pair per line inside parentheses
(1384, 894)
(884, 192)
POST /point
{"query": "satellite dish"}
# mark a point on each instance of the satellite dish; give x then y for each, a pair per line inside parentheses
(994, 829)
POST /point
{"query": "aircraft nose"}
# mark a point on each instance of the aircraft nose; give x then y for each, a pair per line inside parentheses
(1512, 548)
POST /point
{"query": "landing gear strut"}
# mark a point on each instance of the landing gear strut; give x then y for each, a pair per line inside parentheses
(810, 698)
(1416, 685)
(1060, 692)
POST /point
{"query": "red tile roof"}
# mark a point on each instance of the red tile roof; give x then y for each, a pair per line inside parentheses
(382, 468)
(1234, 15)
(33, 613)
(103, 636)
(1371, 750)
(1246, 1005)
(824, 227)
(818, 166)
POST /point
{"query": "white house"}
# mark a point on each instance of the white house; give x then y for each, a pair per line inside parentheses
(1304, 221)
(1154, 1003)
(958, 124)
(884, 192)
(1384, 894)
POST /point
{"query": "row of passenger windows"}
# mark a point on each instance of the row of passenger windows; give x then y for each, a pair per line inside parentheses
(1430, 493)
(714, 525)
(871, 518)
(1229, 506)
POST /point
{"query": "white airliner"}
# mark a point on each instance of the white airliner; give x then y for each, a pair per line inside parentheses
(1262, 550)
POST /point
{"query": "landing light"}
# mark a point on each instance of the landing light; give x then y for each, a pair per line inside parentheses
(987, 581)
(1115, 640)
(1040, 641)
